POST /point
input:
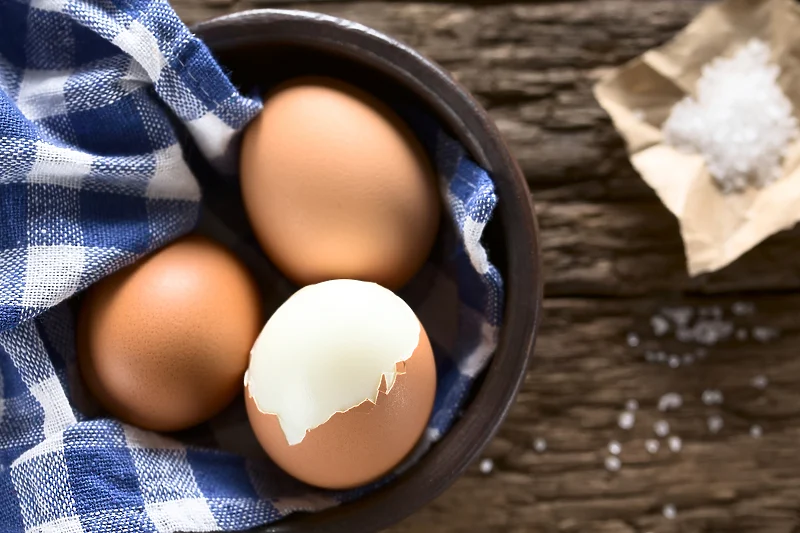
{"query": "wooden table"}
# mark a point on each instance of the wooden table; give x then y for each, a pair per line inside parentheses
(613, 258)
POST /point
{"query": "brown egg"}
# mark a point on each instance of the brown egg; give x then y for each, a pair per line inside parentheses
(163, 344)
(360, 445)
(336, 186)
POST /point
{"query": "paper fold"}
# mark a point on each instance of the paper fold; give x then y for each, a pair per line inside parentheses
(716, 228)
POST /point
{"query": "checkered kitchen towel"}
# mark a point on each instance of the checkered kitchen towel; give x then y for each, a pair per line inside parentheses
(98, 101)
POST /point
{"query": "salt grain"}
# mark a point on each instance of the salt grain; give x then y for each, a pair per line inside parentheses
(613, 463)
(614, 448)
(652, 446)
(714, 311)
(540, 445)
(681, 316)
(669, 512)
(688, 359)
(670, 401)
(486, 466)
(764, 334)
(741, 122)
(710, 332)
(684, 335)
(626, 420)
(741, 334)
(650, 357)
(675, 444)
(743, 308)
(661, 428)
(660, 325)
(674, 361)
(756, 432)
(632, 405)
(715, 424)
(760, 382)
(712, 397)
(633, 340)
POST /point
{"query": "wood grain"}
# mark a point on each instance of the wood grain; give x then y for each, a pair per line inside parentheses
(613, 256)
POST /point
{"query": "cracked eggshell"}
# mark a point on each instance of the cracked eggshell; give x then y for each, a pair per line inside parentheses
(341, 384)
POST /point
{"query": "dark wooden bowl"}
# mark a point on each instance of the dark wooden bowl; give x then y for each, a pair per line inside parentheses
(263, 47)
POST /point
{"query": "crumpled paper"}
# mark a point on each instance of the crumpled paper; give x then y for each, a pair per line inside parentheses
(716, 228)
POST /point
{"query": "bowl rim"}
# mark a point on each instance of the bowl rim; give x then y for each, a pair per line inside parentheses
(446, 461)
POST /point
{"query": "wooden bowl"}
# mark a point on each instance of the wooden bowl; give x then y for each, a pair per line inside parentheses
(263, 47)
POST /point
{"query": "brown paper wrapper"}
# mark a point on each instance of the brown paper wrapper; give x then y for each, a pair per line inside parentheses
(716, 228)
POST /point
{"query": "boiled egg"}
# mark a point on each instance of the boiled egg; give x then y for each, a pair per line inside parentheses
(336, 185)
(163, 344)
(341, 383)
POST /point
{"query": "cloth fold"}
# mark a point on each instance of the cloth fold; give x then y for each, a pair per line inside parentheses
(98, 100)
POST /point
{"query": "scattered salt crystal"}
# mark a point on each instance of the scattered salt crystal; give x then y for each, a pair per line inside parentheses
(741, 121)
(632, 405)
(714, 311)
(743, 308)
(715, 424)
(756, 432)
(685, 334)
(681, 316)
(712, 397)
(626, 420)
(660, 325)
(633, 340)
(661, 357)
(765, 334)
(540, 445)
(486, 466)
(614, 448)
(613, 464)
(710, 332)
(661, 428)
(650, 357)
(741, 334)
(652, 446)
(675, 444)
(670, 401)
(760, 382)
(688, 359)
(669, 512)
(674, 361)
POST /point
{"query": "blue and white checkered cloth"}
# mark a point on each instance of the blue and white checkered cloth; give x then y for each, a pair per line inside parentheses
(110, 113)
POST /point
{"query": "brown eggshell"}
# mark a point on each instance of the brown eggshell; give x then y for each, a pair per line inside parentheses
(336, 186)
(164, 343)
(364, 443)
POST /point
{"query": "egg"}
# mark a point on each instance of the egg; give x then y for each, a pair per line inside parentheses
(336, 186)
(164, 343)
(341, 383)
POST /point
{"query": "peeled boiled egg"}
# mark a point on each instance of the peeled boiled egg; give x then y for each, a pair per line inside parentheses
(163, 344)
(336, 186)
(341, 383)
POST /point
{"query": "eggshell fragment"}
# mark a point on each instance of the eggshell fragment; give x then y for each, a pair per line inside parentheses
(341, 384)
(163, 344)
(336, 185)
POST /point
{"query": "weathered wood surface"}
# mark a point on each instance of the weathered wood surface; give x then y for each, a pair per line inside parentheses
(613, 257)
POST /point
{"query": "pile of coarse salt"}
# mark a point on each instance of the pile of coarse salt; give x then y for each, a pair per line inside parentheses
(741, 121)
